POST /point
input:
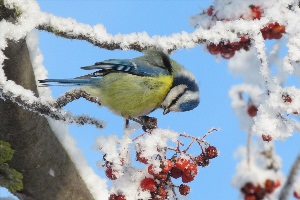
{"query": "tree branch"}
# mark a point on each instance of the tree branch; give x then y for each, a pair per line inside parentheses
(37, 150)
(48, 110)
(284, 194)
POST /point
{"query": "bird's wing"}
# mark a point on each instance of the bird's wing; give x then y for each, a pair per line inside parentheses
(153, 63)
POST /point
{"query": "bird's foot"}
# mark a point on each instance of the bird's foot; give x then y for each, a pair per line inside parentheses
(146, 122)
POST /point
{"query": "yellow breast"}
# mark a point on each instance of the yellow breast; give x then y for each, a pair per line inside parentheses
(131, 95)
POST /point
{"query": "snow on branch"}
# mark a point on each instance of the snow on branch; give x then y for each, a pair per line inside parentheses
(291, 179)
(48, 110)
(97, 35)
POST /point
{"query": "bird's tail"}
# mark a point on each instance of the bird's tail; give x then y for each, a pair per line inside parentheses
(68, 82)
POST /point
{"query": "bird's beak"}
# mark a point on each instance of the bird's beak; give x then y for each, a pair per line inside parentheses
(166, 111)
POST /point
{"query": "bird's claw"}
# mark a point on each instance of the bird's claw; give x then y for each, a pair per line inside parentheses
(146, 122)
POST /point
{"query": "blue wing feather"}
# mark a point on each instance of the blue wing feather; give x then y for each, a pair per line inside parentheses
(69, 82)
(153, 63)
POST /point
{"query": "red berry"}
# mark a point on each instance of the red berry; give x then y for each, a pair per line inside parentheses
(266, 138)
(296, 195)
(150, 169)
(267, 34)
(278, 28)
(121, 197)
(185, 178)
(252, 110)
(213, 49)
(184, 189)
(286, 98)
(148, 184)
(269, 186)
(176, 173)
(162, 176)
(260, 193)
(276, 35)
(210, 11)
(227, 51)
(255, 12)
(250, 197)
(162, 192)
(113, 197)
(237, 45)
(248, 188)
(116, 197)
(109, 172)
(211, 152)
(167, 165)
(189, 173)
(271, 25)
(277, 183)
(191, 170)
(140, 158)
(202, 160)
(181, 163)
(244, 39)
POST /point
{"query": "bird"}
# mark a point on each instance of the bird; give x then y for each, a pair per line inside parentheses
(133, 88)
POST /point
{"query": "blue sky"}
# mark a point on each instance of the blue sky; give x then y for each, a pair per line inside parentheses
(63, 59)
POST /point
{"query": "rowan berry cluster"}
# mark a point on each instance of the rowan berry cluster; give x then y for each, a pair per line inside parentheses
(182, 166)
(228, 49)
(161, 171)
(258, 192)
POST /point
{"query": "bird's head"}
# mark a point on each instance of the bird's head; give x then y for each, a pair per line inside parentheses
(183, 95)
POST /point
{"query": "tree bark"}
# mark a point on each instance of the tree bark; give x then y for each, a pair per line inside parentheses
(37, 150)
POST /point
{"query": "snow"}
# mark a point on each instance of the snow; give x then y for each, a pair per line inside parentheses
(254, 170)
(117, 150)
(265, 88)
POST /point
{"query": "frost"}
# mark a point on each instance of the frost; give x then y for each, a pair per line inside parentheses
(115, 153)
(264, 83)
(254, 164)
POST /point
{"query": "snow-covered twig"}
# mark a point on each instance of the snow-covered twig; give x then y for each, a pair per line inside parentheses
(284, 194)
(47, 110)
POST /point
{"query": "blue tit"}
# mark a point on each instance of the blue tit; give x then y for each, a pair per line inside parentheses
(136, 87)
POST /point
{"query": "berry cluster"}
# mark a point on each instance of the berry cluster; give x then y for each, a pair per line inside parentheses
(273, 31)
(257, 192)
(160, 171)
(117, 197)
(228, 49)
(183, 166)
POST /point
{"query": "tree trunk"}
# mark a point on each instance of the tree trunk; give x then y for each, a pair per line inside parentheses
(37, 150)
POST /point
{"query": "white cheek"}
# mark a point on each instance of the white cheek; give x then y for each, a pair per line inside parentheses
(173, 93)
(188, 96)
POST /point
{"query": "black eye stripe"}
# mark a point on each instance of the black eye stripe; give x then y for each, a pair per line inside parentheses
(173, 102)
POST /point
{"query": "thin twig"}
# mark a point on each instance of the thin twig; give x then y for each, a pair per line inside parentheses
(249, 147)
(143, 134)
